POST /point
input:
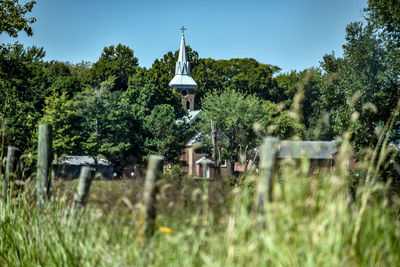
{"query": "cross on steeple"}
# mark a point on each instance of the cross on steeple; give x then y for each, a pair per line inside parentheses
(183, 30)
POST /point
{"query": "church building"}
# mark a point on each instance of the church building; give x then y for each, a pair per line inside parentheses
(193, 155)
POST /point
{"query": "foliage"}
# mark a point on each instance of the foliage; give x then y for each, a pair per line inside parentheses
(164, 136)
(243, 75)
(386, 14)
(118, 61)
(358, 94)
(144, 89)
(65, 77)
(95, 121)
(243, 120)
(309, 82)
(66, 119)
(24, 87)
(13, 18)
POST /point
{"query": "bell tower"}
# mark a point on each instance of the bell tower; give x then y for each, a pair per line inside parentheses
(182, 81)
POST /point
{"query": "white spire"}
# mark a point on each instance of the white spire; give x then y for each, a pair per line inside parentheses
(182, 77)
(182, 65)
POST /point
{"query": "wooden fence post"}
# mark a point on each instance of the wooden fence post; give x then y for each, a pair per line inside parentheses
(82, 193)
(10, 169)
(148, 212)
(43, 182)
(268, 155)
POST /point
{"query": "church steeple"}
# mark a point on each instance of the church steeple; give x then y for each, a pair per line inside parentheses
(182, 65)
(182, 81)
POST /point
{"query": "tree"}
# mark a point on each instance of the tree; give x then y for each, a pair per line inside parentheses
(386, 15)
(359, 95)
(236, 115)
(385, 18)
(309, 82)
(66, 119)
(66, 77)
(13, 17)
(164, 135)
(145, 89)
(149, 101)
(106, 120)
(118, 61)
(24, 88)
(93, 122)
(244, 75)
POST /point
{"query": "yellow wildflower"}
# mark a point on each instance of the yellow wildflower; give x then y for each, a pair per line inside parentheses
(166, 230)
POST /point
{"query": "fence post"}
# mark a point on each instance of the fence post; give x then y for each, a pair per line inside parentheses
(268, 155)
(10, 169)
(148, 212)
(43, 182)
(82, 193)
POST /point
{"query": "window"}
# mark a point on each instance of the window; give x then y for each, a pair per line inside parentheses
(201, 151)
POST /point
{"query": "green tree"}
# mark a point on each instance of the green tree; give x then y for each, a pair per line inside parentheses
(145, 89)
(66, 119)
(146, 98)
(93, 122)
(359, 95)
(386, 15)
(164, 135)
(24, 88)
(13, 18)
(66, 77)
(243, 120)
(244, 75)
(118, 61)
(309, 83)
(105, 120)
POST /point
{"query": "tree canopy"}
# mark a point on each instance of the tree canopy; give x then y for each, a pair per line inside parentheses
(13, 18)
(242, 120)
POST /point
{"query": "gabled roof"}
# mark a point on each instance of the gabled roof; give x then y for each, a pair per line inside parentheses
(204, 160)
(82, 160)
(197, 139)
(191, 117)
(307, 149)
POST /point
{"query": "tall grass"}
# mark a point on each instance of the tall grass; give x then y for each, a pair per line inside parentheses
(309, 222)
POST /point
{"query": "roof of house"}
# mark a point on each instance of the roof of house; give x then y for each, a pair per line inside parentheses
(82, 160)
(204, 160)
(191, 117)
(197, 139)
(307, 149)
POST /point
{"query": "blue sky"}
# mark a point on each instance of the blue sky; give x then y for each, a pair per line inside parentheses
(292, 34)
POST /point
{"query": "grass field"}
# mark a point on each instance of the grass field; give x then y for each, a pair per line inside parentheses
(311, 222)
